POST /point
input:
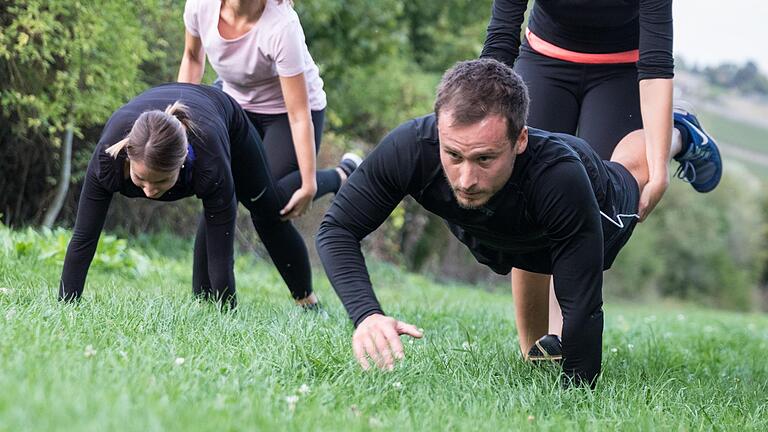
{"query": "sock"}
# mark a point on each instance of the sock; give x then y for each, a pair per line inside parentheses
(685, 139)
(348, 166)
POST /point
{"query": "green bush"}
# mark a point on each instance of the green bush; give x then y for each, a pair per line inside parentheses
(64, 63)
(705, 248)
(50, 246)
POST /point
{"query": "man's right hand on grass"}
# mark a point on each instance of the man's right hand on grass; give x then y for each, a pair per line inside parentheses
(378, 338)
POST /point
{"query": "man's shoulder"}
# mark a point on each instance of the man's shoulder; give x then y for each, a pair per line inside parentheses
(552, 146)
(413, 139)
(548, 157)
(417, 130)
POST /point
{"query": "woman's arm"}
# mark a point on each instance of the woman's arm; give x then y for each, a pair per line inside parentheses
(91, 214)
(215, 186)
(193, 60)
(655, 70)
(220, 233)
(656, 110)
(502, 40)
(297, 102)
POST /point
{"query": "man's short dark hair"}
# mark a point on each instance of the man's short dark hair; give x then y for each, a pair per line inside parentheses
(473, 89)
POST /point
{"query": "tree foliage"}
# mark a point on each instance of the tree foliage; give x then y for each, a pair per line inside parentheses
(74, 62)
(62, 62)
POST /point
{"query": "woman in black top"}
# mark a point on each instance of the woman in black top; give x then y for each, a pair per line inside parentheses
(178, 140)
(598, 69)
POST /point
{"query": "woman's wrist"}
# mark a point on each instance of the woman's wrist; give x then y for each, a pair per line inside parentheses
(309, 185)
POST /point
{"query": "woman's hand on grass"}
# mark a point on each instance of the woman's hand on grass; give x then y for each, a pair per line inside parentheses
(378, 338)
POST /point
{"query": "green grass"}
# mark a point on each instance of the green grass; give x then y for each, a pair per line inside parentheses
(739, 134)
(110, 362)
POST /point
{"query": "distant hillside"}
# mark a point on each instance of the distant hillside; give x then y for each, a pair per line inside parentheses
(738, 121)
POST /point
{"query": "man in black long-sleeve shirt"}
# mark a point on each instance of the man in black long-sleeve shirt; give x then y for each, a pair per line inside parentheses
(516, 196)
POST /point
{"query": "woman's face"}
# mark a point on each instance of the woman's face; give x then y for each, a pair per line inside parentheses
(153, 183)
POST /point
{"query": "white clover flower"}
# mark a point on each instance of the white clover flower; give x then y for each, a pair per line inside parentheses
(614, 350)
(531, 418)
(397, 385)
(89, 351)
(179, 361)
(291, 401)
(630, 346)
(304, 389)
(466, 345)
(6, 291)
(10, 314)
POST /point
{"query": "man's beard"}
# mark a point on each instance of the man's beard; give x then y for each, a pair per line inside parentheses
(465, 205)
(458, 200)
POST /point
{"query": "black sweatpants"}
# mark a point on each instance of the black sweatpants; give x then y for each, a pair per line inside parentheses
(597, 102)
(256, 189)
(275, 132)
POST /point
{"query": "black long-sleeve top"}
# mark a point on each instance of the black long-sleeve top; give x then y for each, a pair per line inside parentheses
(546, 219)
(588, 26)
(219, 121)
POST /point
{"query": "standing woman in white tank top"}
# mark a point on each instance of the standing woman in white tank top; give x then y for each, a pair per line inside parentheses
(259, 51)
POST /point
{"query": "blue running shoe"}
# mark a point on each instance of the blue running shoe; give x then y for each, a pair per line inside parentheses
(700, 163)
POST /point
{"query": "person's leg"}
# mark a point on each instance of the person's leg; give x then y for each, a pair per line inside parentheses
(275, 130)
(257, 191)
(530, 293)
(553, 87)
(630, 152)
(555, 313)
(610, 108)
(201, 283)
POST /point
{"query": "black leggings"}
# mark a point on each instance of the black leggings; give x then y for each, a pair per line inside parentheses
(275, 131)
(597, 102)
(258, 192)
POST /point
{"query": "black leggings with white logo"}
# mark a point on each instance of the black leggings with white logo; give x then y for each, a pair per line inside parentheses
(257, 190)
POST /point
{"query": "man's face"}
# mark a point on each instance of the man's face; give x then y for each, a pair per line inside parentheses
(477, 159)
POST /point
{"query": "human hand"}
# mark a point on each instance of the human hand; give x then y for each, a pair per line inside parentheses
(651, 195)
(300, 203)
(378, 338)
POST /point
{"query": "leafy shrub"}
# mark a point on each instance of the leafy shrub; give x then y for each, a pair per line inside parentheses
(705, 248)
(50, 246)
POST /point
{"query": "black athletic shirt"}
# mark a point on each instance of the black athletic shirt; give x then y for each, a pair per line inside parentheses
(588, 26)
(546, 219)
(219, 120)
